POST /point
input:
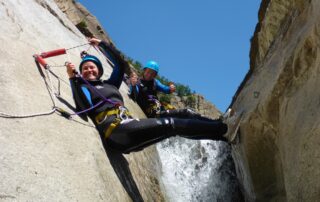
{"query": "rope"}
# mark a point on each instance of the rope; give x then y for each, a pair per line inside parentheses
(68, 55)
(58, 78)
(54, 108)
(4, 115)
(53, 95)
(108, 60)
(86, 110)
(77, 46)
(57, 65)
(52, 89)
(95, 90)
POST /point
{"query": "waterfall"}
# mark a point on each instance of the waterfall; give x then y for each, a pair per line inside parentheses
(197, 171)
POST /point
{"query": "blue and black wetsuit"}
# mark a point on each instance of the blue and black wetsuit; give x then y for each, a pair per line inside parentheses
(134, 134)
(145, 94)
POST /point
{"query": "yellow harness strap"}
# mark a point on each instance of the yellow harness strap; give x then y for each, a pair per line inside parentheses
(121, 113)
(153, 108)
(103, 115)
(112, 126)
(167, 106)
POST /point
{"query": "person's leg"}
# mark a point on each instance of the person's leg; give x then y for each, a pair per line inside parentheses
(138, 134)
(184, 113)
(199, 129)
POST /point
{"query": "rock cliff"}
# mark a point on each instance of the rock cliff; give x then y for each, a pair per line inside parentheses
(51, 158)
(199, 104)
(83, 19)
(277, 156)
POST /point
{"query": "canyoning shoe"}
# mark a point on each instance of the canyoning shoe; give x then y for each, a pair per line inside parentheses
(229, 113)
(233, 122)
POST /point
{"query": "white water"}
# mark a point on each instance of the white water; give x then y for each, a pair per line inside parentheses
(197, 171)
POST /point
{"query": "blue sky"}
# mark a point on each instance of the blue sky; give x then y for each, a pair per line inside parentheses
(203, 44)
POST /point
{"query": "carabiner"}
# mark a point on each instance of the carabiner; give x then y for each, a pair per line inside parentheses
(158, 108)
(123, 115)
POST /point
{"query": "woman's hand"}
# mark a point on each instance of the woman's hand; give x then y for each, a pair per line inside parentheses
(172, 87)
(94, 41)
(71, 69)
(133, 79)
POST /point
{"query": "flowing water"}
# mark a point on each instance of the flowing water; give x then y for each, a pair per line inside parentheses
(197, 171)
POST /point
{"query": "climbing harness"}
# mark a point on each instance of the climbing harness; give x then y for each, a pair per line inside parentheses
(155, 105)
(166, 106)
(120, 111)
(121, 115)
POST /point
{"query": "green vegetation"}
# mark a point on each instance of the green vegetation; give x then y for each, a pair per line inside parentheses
(82, 24)
(191, 100)
(165, 97)
(137, 65)
(181, 90)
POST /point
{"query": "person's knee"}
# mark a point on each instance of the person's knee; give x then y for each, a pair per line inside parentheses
(223, 128)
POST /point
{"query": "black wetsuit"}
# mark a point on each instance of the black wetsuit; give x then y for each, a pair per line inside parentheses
(145, 94)
(135, 134)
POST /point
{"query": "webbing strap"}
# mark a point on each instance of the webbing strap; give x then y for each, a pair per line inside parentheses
(112, 126)
(96, 91)
(121, 115)
(103, 115)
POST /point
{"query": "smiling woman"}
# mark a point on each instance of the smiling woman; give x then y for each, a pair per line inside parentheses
(90, 71)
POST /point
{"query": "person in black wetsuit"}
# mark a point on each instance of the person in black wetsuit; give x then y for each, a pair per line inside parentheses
(144, 90)
(116, 126)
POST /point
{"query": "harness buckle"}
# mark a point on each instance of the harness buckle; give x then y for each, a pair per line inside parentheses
(156, 105)
(158, 108)
(123, 115)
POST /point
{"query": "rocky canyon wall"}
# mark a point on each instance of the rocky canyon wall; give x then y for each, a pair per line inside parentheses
(277, 155)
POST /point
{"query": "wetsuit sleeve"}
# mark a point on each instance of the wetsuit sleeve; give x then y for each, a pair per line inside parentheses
(119, 67)
(133, 92)
(161, 87)
(81, 96)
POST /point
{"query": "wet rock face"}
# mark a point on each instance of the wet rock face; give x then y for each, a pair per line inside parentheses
(51, 158)
(278, 157)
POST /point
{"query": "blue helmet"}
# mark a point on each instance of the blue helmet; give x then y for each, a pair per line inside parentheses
(152, 65)
(93, 59)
